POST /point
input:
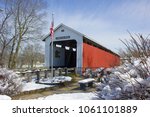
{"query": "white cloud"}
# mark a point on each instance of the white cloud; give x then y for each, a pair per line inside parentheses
(107, 27)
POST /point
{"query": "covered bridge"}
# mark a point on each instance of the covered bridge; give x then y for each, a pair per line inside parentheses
(74, 49)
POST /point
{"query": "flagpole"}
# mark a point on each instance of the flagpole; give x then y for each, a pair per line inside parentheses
(52, 59)
(52, 37)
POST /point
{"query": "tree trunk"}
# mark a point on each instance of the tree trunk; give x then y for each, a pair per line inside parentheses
(2, 53)
(1, 56)
(16, 53)
(11, 54)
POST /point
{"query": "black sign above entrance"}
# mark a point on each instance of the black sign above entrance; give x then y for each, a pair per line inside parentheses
(63, 37)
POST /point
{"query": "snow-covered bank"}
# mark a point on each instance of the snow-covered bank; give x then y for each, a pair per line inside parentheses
(5, 97)
(69, 96)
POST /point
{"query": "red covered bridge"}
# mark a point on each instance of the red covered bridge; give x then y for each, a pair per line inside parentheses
(74, 49)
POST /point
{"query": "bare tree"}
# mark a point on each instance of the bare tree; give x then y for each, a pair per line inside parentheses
(31, 55)
(26, 23)
(5, 35)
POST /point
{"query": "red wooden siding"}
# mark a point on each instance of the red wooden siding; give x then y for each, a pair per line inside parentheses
(94, 57)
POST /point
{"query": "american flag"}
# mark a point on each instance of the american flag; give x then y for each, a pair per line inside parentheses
(52, 28)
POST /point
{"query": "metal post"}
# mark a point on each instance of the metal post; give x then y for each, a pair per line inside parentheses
(52, 58)
(52, 37)
(66, 71)
(38, 76)
(54, 72)
(60, 71)
(45, 71)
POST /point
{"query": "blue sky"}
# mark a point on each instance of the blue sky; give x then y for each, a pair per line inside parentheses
(106, 21)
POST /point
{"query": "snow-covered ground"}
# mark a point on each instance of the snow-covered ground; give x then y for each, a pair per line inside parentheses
(69, 96)
(33, 86)
(5, 97)
(130, 80)
(58, 79)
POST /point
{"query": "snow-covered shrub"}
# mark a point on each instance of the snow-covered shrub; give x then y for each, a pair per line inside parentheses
(10, 83)
(5, 97)
(87, 73)
(131, 80)
(137, 52)
(124, 82)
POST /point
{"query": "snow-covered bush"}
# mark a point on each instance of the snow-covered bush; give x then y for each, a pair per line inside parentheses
(132, 79)
(89, 73)
(5, 97)
(125, 82)
(137, 52)
(10, 83)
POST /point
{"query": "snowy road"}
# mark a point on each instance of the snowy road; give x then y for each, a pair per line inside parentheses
(69, 96)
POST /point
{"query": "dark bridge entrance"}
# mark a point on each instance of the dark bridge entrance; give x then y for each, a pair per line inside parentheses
(65, 53)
